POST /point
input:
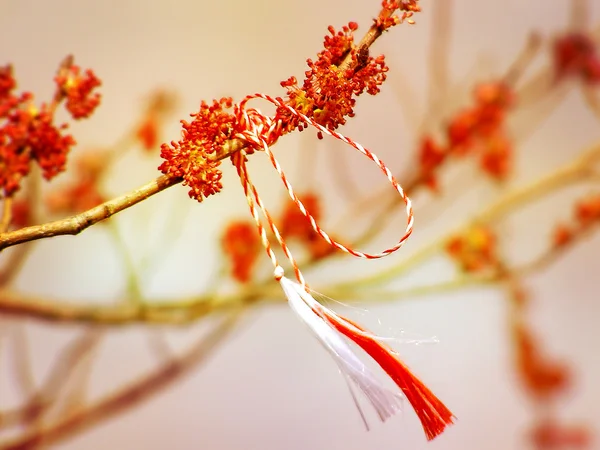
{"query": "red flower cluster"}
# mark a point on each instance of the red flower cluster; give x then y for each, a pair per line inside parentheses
(192, 158)
(549, 435)
(21, 213)
(479, 128)
(147, 131)
(241, 243)
(540, 376)
(295, 225)
(328, 92)
(387, 19)
(7, 82)
(77, 88)
(48, 146)
(82, 193)
(474, 250)
(586, 213)
(575, 54)
(27, 134)
(341, 72)
(587, 210)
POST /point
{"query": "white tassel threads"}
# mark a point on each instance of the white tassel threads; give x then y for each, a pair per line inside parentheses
(385, 402)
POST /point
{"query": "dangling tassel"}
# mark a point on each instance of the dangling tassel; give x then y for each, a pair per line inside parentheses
(385, 402)
(432, 413)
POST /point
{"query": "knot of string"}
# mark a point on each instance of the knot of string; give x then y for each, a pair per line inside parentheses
(260, 132)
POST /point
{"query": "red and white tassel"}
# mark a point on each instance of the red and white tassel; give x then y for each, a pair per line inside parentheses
(327, 326)
(385, 402)
(432, 413)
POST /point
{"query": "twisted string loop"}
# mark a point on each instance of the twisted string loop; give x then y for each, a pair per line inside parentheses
(261, 131)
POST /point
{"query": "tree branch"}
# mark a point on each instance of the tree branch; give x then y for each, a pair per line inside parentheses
(76, 224)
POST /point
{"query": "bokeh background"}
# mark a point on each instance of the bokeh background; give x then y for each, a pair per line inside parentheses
(270, 385)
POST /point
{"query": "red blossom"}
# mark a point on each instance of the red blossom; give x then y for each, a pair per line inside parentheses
(486, 118)
(562, 236)
(496, 94)
(192, 157)
(541, 376)
(148, 129)
(477, 129)
(295, 225)
(7, 82)
(21, 213)
(147, 133)
(14, 165)
(48, 145)
(496, 156)
(461, 131)
(587, 210)
(242, 245)
(549, 435)
(431, 154)
(575, 54)
(493, 99)
(474, 250)
(28, 133)
(78, 88)
(328, 92)
(387, 19)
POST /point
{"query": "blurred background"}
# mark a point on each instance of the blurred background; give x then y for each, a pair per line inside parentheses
(268, 384)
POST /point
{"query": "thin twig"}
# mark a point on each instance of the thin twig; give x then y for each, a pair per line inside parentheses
(125, 312)
(369, 38)
(438, 55)
(64, 365)
(577, 171)
(24, 377)
(76, 224)
(13, 264)
(129, 396)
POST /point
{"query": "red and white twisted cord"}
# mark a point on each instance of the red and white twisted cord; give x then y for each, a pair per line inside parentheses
(254, 200)
(263, 132)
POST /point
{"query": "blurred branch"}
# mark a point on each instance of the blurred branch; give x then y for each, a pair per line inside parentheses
(63, 366)
(438, 57)
(171, 312)
(127, 312)
(128, 396)
(551, 255)
(578, 171)
(25, 379)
